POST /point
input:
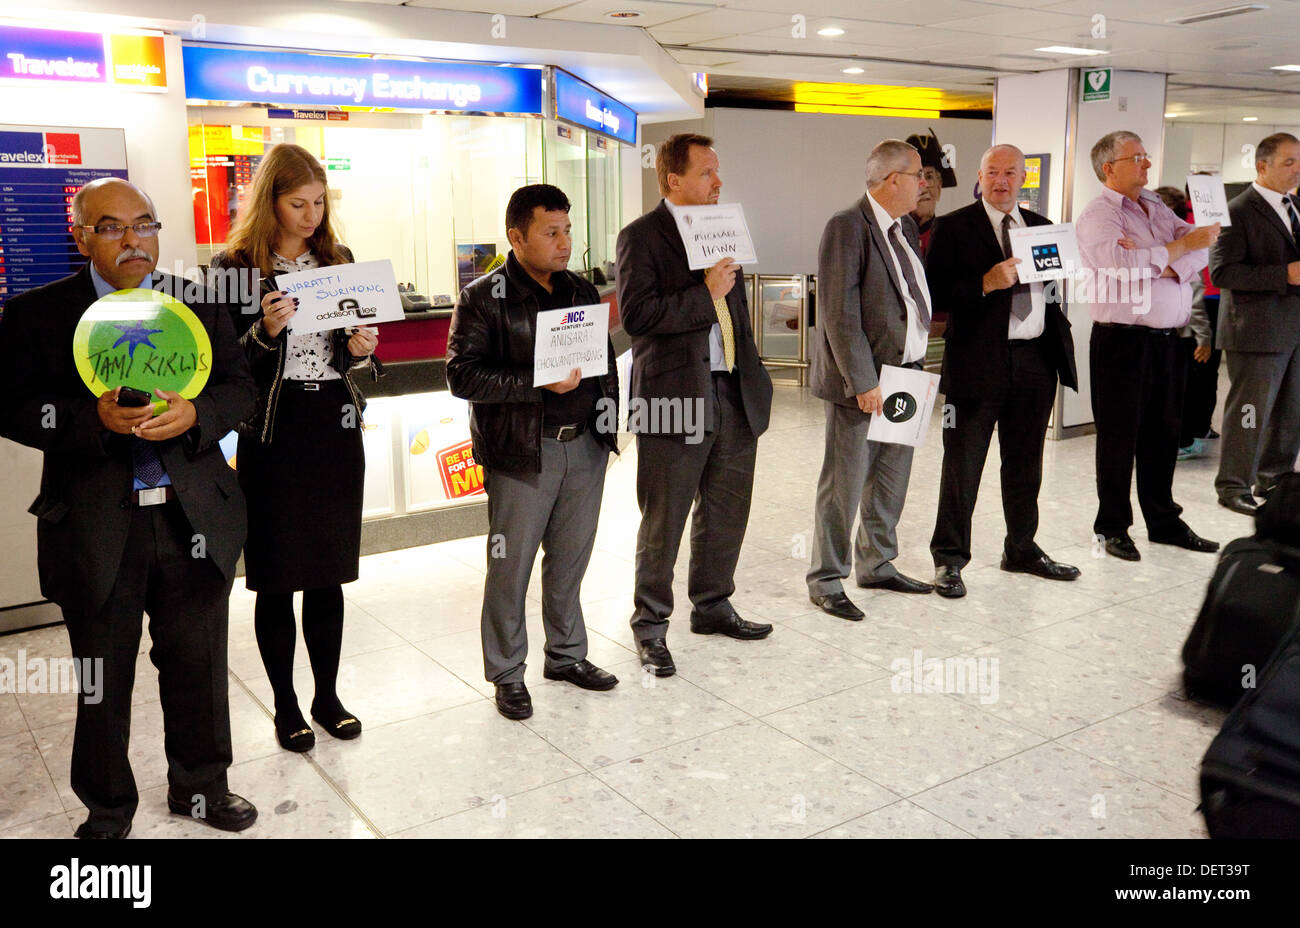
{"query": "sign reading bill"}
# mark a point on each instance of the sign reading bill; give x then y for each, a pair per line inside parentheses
(1045, 252)
(567, 338)
(711, 233)
(342, 295)
(1209, 201)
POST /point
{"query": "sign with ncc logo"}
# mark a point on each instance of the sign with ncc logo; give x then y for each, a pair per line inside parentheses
(575, 315)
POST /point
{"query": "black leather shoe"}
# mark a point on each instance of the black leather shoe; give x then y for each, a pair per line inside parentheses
(731, 625)
(654, 655)
(899, 584)
(1042, 566)
(513, 701)
(1188, 539)
(1244, 504)
(296, 739)
(1122, 547)
(85, 831)
(229, 813)
(947, 582)
(584, 674)
(838, 605)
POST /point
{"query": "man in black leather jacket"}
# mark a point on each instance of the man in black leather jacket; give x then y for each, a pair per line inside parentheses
(543, 449)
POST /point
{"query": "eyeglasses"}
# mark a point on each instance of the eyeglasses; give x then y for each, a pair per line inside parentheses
(114, 230)
(1136, 159)
(916, 174)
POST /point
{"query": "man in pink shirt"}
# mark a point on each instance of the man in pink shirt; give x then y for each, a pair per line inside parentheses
(1143, 259)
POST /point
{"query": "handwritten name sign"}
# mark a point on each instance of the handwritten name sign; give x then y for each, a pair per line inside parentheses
(567, 338)
(1209, 200)
(711, 233)
(342, 295)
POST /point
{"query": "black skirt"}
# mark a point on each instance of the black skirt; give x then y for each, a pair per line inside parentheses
(304, 493)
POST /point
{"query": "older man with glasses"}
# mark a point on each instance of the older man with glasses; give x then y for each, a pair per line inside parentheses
(1143, 259)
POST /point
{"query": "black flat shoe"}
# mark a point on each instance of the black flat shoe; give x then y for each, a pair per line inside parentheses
(948, 583)
(337, 722)
(297, 739)
(513, 701)
(899, 584)
(86, 832)
(838, 605)
(731, 625)
(654, 655)
(229, 813)
(1187, 539)
(1122, 547)
(1042, 566)
(584, 674)
(1244, 504)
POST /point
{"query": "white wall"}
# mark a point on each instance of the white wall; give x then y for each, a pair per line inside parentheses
(1029, 112)
(1218, 147)
(793, 171)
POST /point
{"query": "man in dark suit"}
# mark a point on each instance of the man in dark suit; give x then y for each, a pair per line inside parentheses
(700, 397)
(137, 514)
(1006, 344)
(1256, 263)
(873, 309)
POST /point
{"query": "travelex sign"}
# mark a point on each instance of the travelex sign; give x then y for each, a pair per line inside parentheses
(579, 102)
(28, 54)
(240, 76)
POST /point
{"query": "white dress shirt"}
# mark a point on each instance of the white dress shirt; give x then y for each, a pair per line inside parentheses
(1032, 325)
(1274, 200)
(918, 336)
(717, 354)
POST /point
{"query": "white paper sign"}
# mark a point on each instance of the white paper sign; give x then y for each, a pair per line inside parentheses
(711, 233)
(342, 295)
(1209, 200)
(1045, 252)
(909, 397)
(567, 338)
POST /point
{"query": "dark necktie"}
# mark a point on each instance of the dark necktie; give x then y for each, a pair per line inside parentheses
(1021, 304)
(147, 465)
(905, 263)
(1295, 219)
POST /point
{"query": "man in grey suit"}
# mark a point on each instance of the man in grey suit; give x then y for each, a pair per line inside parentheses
(1256, 263)
(693, 356)
(873, 309)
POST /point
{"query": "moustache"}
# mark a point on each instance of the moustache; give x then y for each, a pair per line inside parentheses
(133, 253)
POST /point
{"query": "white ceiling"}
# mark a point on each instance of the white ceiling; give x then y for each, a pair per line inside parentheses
(1218, 69)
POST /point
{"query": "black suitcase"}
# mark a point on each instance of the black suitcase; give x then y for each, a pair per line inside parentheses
(1251, 606)
(1250, 777)
(1278, 519)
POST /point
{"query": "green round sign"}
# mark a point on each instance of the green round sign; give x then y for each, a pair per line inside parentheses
(142, 339)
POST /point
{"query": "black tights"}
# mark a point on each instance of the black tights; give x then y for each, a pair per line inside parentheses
(322, 629)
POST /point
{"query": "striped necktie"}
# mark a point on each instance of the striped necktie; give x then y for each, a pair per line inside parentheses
(1295, 219)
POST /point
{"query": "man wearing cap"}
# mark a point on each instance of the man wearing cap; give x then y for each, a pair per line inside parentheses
(938, 173)
(137, 513)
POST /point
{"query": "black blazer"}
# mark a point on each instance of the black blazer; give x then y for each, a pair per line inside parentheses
(84, 506)
(977, 356)
(666, 309)
(1260, 311)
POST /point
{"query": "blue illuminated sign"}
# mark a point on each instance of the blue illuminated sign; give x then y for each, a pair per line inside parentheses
(51, 55)
(579, 102)
(243, 76)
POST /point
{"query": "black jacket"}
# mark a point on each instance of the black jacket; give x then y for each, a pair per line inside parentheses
(84, 506)
(977, 353)
(490, 363)
(266, 358)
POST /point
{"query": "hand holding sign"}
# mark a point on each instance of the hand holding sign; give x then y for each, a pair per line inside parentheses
(1046, 252)
(277, 310)
(1001, 275)
(721, 278)
(565, 386)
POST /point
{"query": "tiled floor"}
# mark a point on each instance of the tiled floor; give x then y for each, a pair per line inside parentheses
(1070, 725)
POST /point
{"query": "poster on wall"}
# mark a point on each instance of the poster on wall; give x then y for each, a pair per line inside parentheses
(440, 466)
(1033, 194)
(41, 168)
(473, 261)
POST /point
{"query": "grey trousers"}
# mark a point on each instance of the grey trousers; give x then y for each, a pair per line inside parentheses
(717, 475)
(1261, 443)
(857, 475)
(557, 510)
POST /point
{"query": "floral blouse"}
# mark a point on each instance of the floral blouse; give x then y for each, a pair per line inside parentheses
(307, 356)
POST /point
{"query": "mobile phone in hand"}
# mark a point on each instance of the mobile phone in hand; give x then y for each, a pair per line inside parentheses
(130, 396)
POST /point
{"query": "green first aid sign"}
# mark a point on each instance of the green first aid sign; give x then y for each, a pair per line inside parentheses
(1096, 85)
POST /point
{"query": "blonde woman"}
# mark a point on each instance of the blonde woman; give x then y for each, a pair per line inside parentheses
(300, 459)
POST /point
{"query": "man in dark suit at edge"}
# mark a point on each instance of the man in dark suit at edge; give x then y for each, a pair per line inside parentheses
(137, 514)
(1005, 346)
(693, 347)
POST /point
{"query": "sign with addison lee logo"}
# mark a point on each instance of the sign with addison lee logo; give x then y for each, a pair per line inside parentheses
(241, 76)
(579, 102)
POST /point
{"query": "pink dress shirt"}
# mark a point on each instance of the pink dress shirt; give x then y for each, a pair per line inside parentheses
(1112, 216)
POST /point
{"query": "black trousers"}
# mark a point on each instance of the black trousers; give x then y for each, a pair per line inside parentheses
(1138, 378)
(717, 476)
(1020, 413)
(1202, 393)
(187, 600)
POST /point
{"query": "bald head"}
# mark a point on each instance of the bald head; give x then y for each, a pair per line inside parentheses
(124, 261)
(1002, 174)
